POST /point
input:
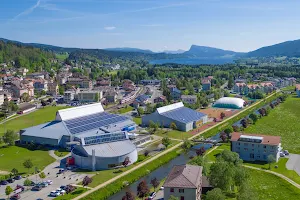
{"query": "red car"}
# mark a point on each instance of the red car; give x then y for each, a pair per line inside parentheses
(15, 197)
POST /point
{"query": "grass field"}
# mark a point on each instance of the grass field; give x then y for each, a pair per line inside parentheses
(211, 157)
(137, 120)
(282, 121)
(270, 187)
(72, 195)
(13, 157)
(125, 110)
(62, 56)
(61, 152)
(37, 117)
(173, 134)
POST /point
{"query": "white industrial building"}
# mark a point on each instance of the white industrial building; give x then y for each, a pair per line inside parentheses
(229, 102)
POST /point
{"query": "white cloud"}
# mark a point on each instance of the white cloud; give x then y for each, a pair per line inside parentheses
(29, 10)
(109, 28)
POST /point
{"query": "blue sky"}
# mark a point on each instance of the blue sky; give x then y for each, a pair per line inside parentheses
(239, 25)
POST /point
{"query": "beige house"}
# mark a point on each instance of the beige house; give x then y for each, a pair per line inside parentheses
(89, 96)
(184, 182)
(53, 89)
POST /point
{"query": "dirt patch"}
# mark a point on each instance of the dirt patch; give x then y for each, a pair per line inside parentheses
(4, 172)
(216, 112)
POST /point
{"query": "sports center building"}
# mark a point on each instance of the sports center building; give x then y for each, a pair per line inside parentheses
(229, 102)
(185, 118)
(72, 124)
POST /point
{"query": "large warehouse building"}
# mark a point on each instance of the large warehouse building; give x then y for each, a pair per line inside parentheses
(73, 124)
(185, 118)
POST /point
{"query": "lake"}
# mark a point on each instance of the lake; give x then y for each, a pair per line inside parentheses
(194, 61)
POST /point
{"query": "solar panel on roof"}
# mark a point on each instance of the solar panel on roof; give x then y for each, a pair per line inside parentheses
(93, 121)
(184, 115)
(103, 138)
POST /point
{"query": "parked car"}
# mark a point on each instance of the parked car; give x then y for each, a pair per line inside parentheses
(37, 188)
(3, 182)
(15, 197)
(54, 194)
(44, 184)
(281, 154)
(152, 195)
(286, 152)
(10, 180)
(63, 187)
(61, 171)
(18, 177)
(19, 187)
(49, 182)
(62, 192)
(58, 190)
(162, 188)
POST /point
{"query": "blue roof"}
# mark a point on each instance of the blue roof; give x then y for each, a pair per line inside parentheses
(175, 90)
(184, 115)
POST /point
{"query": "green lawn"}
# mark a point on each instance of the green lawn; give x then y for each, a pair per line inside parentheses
(211, 157)
(72, 195)
(61, 56)
(125, 110)
(37, 117)
(14, 156)
(291, 174)
(137, 120)
(289, 88)
(173, 134)
(61, 152)
(270, 187)
(282, 121)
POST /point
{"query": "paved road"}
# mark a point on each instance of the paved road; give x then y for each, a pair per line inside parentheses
(163, 153)
(294, 163)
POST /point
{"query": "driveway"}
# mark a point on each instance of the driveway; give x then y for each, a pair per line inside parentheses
(294, 163)
(159, 195)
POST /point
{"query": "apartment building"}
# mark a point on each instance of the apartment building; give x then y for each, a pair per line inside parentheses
(253, 147)
(190, 99)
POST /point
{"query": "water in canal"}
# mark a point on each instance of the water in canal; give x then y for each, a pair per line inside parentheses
(160, 173)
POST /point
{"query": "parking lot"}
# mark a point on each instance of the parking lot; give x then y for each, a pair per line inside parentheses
(68, 177)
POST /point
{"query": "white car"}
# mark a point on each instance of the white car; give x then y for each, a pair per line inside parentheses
(54, 194)
(49, 182)
(58, 189)
(62, 192)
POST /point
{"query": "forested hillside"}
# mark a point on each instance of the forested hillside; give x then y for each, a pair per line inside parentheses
(24, 56)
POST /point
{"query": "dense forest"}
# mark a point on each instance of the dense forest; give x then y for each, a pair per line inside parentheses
(24, 56)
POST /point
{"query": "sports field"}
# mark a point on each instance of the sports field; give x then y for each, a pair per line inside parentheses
(282, 121)
(37, 117)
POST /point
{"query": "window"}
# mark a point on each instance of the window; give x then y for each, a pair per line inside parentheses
(171, 189)
(265, 146)
(181, 190)
(182, 198)
(245, 144)
(246, 149)
(252, 145)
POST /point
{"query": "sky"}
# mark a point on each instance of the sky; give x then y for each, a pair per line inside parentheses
(158, 25)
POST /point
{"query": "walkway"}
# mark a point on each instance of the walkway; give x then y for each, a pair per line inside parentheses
(276, 174)
(294, 163)
(164, 152)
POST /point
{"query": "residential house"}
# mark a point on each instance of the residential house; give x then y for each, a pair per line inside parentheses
(298, 90)
(128, 85)
(267, 86)
(141, 100)
(253, 88)
(82, 82)
(62, 77)
(184, 182)
(206, 84)
(103, 82)
(240, 88)
(19, 87)
(190, 99)
(111, 97)
(87, 96)
(40, 84)
(175, 93)
(253, 147)
(150, 82)
(53, 89)
(23, 71)
(42, 75)
(160, 99)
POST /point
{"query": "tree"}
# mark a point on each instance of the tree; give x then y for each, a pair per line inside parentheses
(201, 151)
(28, 164)
(223, 136)
(186, 145)
(42, 175)
(50, 100)
(153, 126)
(70, 188)
(240, 176)
(126, 162)
(97, 97)
(140, 111)
(228, 131)
(166, 141)
(27, 182)
(244, 123)
(271, 160)
(215, 194)
(8, 191)
(230, 157)
(246, 192)
(128, 196)
(254, 117)
(25, 97)
(44, 103)
(10, 137)
(173, 126)
(173, 198)
(61, 90)
(146, 153)
(142, 189)
(222, 115)
(221, 175)
(86, 181)
(201, 161)
(14, 171)
(154, 183)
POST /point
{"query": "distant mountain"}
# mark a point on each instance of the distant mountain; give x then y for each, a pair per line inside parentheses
(209, 52)
(179, 51)
(42, 46)
(289, 48)
(129, 49)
